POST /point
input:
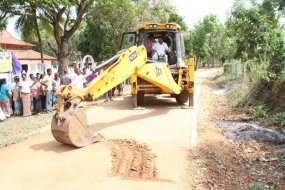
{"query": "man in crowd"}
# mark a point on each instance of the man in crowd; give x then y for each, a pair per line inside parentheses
(92, 76)
(65, 80)
(47, 82)
(55, 86)
(77, 76)
(79, 84)
(84, 72)
(31, 78)
(38, 76)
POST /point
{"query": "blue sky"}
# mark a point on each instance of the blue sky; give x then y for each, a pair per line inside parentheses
(191, 10)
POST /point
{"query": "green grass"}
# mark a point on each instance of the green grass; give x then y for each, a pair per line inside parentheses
(15, 129)
(256, 186)
(222, 80)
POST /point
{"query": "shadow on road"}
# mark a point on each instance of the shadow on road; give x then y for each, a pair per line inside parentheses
(158, 105)
(150, 102)
(53, 146)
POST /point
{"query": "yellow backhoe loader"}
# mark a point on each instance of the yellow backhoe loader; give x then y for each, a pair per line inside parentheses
(174, 76)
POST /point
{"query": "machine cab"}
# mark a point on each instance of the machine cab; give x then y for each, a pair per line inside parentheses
(171, 31)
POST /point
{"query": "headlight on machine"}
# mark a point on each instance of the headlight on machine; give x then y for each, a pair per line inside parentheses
(169, 26)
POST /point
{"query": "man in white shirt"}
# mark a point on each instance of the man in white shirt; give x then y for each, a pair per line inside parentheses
(76, 76)
(160, 49)
(80, 84)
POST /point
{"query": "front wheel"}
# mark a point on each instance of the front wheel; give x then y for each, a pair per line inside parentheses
(182, 97)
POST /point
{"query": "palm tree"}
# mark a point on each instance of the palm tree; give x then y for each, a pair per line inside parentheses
(3, 22)
(28, 27)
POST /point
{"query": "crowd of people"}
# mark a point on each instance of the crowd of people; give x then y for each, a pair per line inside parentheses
(34, 95)
(28, 95)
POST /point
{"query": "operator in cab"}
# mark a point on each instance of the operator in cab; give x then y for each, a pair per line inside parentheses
(160, 49)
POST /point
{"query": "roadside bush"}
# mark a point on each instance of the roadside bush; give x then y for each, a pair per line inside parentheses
(259, 111)
(232, 69)
(256, 186)
(279, 119)
(238, 95)
(226, 67)
(221, 80)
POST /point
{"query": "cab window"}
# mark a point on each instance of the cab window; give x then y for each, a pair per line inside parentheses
(141, 38)
(128, 40)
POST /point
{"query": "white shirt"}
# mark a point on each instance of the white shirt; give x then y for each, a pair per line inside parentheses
(25, 86)
(79, 84)
(55, 84)
(160, 48)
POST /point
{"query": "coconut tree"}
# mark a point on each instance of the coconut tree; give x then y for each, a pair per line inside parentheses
(3, 23)
(28, 27)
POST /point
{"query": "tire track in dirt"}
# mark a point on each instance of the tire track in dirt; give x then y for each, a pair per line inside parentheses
(133, 160)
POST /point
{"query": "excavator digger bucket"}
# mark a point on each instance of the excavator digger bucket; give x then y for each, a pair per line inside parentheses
(73, 129)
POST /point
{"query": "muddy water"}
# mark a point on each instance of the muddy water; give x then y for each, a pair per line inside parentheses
(245, 131)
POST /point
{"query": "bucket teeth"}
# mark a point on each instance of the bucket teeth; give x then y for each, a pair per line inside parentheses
(98, 137)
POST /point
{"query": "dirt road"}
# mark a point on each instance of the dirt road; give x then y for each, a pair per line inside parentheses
(143, 149)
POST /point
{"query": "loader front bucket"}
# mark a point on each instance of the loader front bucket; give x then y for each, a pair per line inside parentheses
(73, 129)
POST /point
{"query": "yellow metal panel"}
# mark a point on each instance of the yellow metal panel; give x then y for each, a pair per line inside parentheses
(127, 64)
(159, 75)
(189, 62)
(134, 84)
(191, 67)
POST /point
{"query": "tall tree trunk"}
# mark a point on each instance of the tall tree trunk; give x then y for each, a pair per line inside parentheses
(242, 70)
(196, 63)
(208, 62)
(40, 41)
(63, 56)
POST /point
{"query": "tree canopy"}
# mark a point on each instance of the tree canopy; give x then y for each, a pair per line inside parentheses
(63, 16)
(73, 27)
(102, 35)
(259, 37)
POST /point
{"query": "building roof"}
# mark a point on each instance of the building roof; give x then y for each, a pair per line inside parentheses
(6, 38)
(30, 55)
(21, 54)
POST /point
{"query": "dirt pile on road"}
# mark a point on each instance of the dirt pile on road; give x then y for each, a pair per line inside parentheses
(133, 160)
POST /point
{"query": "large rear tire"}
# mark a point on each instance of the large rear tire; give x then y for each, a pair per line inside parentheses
(182, 97)
(140, 98)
